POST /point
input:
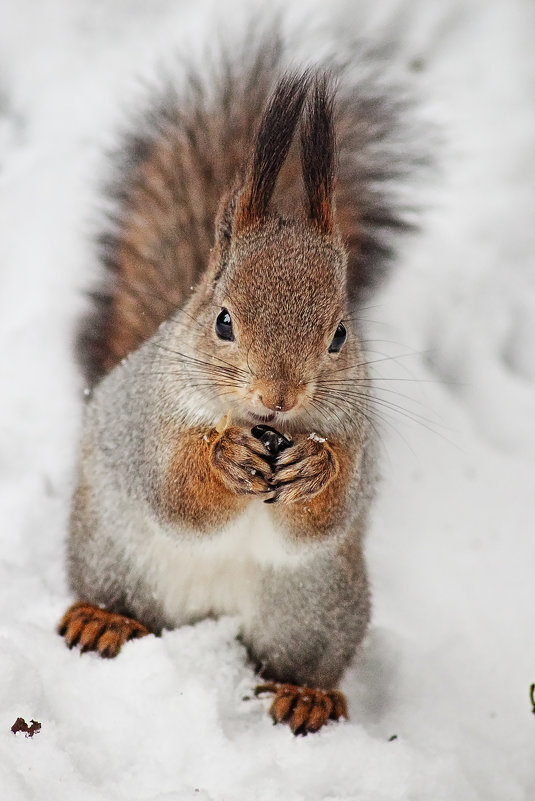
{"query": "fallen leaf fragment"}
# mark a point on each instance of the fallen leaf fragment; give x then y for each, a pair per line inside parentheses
(223, 423)
(21, 725)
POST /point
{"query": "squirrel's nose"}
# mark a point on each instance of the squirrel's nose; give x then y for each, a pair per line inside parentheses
(277, 398)
(284, 405)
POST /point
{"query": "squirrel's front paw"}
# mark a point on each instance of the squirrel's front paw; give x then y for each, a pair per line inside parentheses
(241, 462)
(303, 470)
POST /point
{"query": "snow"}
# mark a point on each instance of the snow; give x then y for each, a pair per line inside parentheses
(450, 654)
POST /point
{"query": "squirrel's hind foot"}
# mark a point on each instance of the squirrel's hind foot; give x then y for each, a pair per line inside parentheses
(303, 708)
(96, 629)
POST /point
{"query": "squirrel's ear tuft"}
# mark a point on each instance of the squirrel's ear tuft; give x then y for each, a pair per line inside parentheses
(318, 154)
(271, 147)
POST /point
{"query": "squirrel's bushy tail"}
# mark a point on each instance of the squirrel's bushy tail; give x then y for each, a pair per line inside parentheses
(190, 148)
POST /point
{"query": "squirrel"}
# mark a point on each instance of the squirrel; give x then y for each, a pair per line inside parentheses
(254, 212)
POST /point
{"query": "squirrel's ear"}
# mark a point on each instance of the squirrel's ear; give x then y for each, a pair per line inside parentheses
(318, 154)
(271, 147)
(224, 221)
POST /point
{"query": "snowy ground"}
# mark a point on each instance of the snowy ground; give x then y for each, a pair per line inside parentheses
(451, 650)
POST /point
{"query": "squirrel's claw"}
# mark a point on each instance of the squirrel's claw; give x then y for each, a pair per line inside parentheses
(96, 629)
(303, 708)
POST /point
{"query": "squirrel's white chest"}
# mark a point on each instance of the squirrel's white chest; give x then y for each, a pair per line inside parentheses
(222, 574)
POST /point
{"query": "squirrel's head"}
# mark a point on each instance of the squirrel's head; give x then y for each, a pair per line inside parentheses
(274, 314)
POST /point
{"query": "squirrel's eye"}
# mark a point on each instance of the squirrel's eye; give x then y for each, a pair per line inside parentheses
(223, 325)
(339, 338)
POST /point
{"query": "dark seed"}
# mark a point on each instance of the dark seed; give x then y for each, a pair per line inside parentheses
(274, 441)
